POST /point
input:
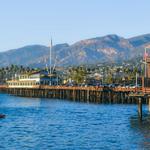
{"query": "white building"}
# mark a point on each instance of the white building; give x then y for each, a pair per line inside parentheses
(33, 79)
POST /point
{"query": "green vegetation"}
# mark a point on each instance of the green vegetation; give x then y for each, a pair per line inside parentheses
(78, 75)
(124, 73)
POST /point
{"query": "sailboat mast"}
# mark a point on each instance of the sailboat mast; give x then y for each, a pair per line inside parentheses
(50, 59)
(50, 62)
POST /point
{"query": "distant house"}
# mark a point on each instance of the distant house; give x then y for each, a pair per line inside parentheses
(29, 80)
(94, 79)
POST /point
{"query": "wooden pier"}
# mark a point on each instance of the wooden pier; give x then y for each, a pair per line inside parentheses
(99, 95)
(81, 94)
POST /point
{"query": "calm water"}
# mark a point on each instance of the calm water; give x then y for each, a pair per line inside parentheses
(44, 124)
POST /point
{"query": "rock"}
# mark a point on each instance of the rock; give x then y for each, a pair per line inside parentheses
(2, 116)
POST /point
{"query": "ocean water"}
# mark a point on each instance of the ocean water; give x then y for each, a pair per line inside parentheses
(48, 124)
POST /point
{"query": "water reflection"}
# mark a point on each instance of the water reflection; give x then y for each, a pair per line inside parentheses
(16, 102)
(142, 128)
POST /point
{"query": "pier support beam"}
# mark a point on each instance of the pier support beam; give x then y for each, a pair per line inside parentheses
(149, 104)
(88, 95)
(140, 108)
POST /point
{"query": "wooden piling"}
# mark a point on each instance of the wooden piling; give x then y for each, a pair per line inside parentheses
(140, 108)
(149, 104)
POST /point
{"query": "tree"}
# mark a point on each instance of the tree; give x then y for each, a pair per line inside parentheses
(78, 74)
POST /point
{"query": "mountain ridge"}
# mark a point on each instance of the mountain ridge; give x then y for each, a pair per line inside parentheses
(109, 48)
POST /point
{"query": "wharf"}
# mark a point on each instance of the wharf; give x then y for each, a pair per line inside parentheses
(86, 94)
(99, 95)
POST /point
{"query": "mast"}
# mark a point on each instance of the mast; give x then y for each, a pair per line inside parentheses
(50, 61)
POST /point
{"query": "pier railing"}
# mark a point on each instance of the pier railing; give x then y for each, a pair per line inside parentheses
(3, 86)
(91, 88)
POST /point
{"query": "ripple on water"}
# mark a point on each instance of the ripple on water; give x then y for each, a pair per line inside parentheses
(57, 124)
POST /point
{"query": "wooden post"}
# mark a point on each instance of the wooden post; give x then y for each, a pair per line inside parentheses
(140, 108)
(149, 104)
(88, 96)
(73, 95)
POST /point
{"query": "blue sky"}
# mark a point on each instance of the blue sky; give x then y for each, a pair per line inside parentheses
(26, 22)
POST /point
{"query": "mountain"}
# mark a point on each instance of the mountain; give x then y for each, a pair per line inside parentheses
(140, 40)
(109, 48)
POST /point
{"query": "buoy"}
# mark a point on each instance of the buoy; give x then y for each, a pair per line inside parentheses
(2, 116)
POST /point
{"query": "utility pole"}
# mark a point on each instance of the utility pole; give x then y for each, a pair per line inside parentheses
(145, 55)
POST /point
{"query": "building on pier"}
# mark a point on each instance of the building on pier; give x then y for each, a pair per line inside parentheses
(30, 80)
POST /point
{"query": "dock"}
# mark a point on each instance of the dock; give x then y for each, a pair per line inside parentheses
(82, 94)
(98, 95)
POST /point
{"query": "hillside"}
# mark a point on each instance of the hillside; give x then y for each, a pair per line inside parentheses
(109, 48)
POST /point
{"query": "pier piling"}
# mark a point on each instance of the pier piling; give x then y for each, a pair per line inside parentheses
(149, 104)
(140, 108)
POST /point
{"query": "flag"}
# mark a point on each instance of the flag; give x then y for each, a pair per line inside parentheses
(145, 55)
